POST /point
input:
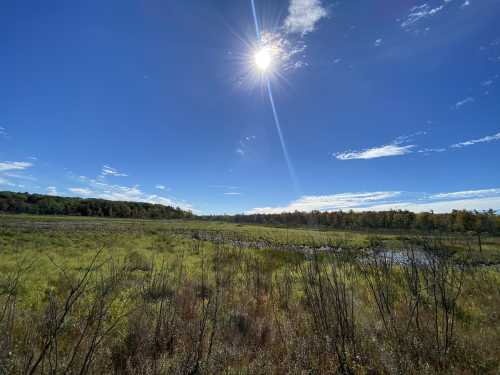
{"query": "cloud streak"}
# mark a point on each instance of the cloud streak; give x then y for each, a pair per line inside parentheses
(110, 171)
(465, 101)
(329, 202)
(396, 148)
(376, 152)
(81, 191)
(419, 12)
(467, 194)
(487, 139)
(52, 190)
(14, 165)
(481, 199)
(97, 188)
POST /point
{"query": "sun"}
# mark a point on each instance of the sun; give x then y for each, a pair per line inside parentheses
(263, 59)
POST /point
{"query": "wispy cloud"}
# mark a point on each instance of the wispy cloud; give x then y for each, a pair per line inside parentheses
(487, 139)
(97, 188)
(228, 187)
(303, 15)
(480, 204)
(161, 187)
(467, 194)
(52, 190)
(378, 42)
(482, 199)
(465, 101)
(230, 190)
(490, 81)
(397, 148)
(245, 144)
(6, 174)
(20, 176)
(14, 165)
(288, 53)
(3, 132)
(110, 171)
(4, 182)
(431, 150)
(376, 152)
(419, 12)
(329, 202)
(81, 191)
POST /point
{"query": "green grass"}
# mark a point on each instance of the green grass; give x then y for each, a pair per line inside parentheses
(264, 317)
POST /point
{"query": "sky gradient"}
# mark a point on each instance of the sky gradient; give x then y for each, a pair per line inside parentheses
(392, 105)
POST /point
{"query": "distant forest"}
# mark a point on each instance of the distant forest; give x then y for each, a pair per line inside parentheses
(38, 204)
(456, 221)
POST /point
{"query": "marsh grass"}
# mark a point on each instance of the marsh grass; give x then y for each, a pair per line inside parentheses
(136, 297)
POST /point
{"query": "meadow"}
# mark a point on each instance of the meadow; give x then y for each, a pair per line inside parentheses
(122, 296)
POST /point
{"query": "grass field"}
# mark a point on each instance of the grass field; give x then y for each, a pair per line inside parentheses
(91, 296)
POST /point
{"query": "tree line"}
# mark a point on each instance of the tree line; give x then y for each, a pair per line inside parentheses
(38, 204)
(456, 221)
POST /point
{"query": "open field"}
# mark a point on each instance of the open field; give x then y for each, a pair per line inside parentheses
(87, 296)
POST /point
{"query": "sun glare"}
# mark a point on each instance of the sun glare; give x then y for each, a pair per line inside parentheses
(263, 59)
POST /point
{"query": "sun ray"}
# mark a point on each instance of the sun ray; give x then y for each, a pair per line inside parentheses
(263, 60)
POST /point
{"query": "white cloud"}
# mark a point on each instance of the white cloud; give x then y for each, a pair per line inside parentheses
(329, 202)
(287, 53)
(245, 145)
(396, 148)
(160, 187)
(463, 102)
(96, 188)
(14, 165)
(487, 139)
(378, 42)
(228, 187)
(480, 204)
(232, 193)
(376, 152)
(3, 132)
(20, 176)
(429, 150)
(420, 12)
(5, 182)
(81, 191)
(110, 171)
(467, 194)
(52, 190)
(483, 199)
(465, 4)
(303, 16)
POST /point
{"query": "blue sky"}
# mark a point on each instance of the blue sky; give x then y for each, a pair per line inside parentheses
(391, 104)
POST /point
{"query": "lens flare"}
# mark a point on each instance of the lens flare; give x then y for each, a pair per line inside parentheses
(263, 59)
